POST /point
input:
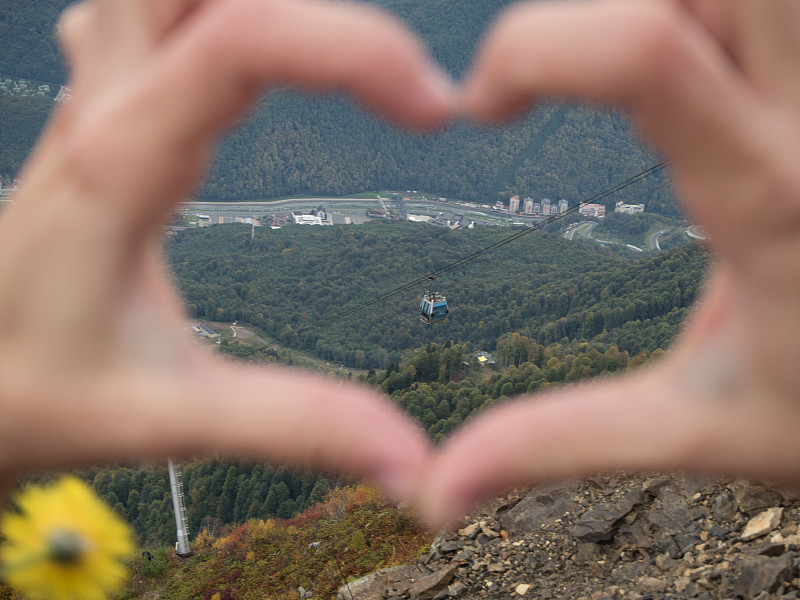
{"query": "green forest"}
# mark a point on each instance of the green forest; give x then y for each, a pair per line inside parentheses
(285, 281)
(295, 145)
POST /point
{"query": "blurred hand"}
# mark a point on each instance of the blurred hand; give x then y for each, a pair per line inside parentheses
(94, 365)
(715, 84)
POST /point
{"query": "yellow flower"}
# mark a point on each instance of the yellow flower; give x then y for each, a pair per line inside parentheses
(64, 544)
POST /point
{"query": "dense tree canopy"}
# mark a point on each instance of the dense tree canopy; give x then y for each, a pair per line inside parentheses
(286, 281)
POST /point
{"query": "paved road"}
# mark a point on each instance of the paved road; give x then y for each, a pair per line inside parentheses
(654, 245)
(587, 231)
(342, 208)
(584, 228)
(696, 232)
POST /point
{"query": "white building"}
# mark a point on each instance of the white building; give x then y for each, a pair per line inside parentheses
(563, 205)
(307, 219)
(628, 209)
(592, 210)
(513, 204)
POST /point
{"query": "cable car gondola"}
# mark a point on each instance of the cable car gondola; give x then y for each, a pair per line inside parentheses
(433, 307)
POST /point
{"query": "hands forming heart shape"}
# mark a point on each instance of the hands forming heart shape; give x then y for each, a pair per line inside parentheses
(93, 364)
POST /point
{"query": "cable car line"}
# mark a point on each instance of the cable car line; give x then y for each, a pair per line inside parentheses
(478, 253)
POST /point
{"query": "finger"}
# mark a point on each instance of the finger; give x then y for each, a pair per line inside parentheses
(644, 55)
(615, 52)
(313, 45)
(276, 415)
(655, 59)
(106, 39)
(763, 38)
(214, 66)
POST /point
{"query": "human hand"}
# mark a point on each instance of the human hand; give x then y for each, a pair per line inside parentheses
(715, 84)
(94, 365)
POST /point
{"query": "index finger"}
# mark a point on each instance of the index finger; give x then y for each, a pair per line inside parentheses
(653, 58)
(217, 61)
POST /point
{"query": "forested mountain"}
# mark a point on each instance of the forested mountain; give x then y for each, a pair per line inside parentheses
(217, 492)
(286, 281)
(22, 120)
(30, 46)
(300, 145)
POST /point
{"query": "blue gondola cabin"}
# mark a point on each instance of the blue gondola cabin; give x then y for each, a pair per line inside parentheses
(433, 308)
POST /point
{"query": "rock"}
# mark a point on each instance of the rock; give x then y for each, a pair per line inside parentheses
(427, 587)
(541, 506)
(652, 585)
(470, 531)
(488, 531)
(724, 507)
(665, 543)
(763, 574)
(670, 512)
(588, 552)
(466, 554)
(754, 498)
(599, 523)
(665, 562)
(522, 588)
(763, 523)
(773, 549)
(718, 532)
(654, 484)
(448, 547)
(375, 584)
(456, 590)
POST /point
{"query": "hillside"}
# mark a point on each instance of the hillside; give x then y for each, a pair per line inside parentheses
(543, 286)
(326, 146)
(612, 536)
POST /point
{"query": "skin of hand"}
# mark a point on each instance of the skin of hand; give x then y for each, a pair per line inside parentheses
(716, 85)
(95, 364)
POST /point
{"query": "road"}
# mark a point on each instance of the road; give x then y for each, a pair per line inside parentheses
(583, 227)
(696, 232)
(346, 210)
(654, 245)
(251, 337)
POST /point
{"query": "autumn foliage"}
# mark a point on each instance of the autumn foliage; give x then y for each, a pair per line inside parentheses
(353, 531)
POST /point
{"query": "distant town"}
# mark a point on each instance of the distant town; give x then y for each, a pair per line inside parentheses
(409, 206)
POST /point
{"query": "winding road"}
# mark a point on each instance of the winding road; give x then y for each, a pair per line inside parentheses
(654, 244)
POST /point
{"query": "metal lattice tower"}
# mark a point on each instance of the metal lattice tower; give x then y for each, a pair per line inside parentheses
(176, 486)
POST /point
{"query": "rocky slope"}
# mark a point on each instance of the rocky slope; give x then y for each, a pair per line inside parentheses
(611, 537)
